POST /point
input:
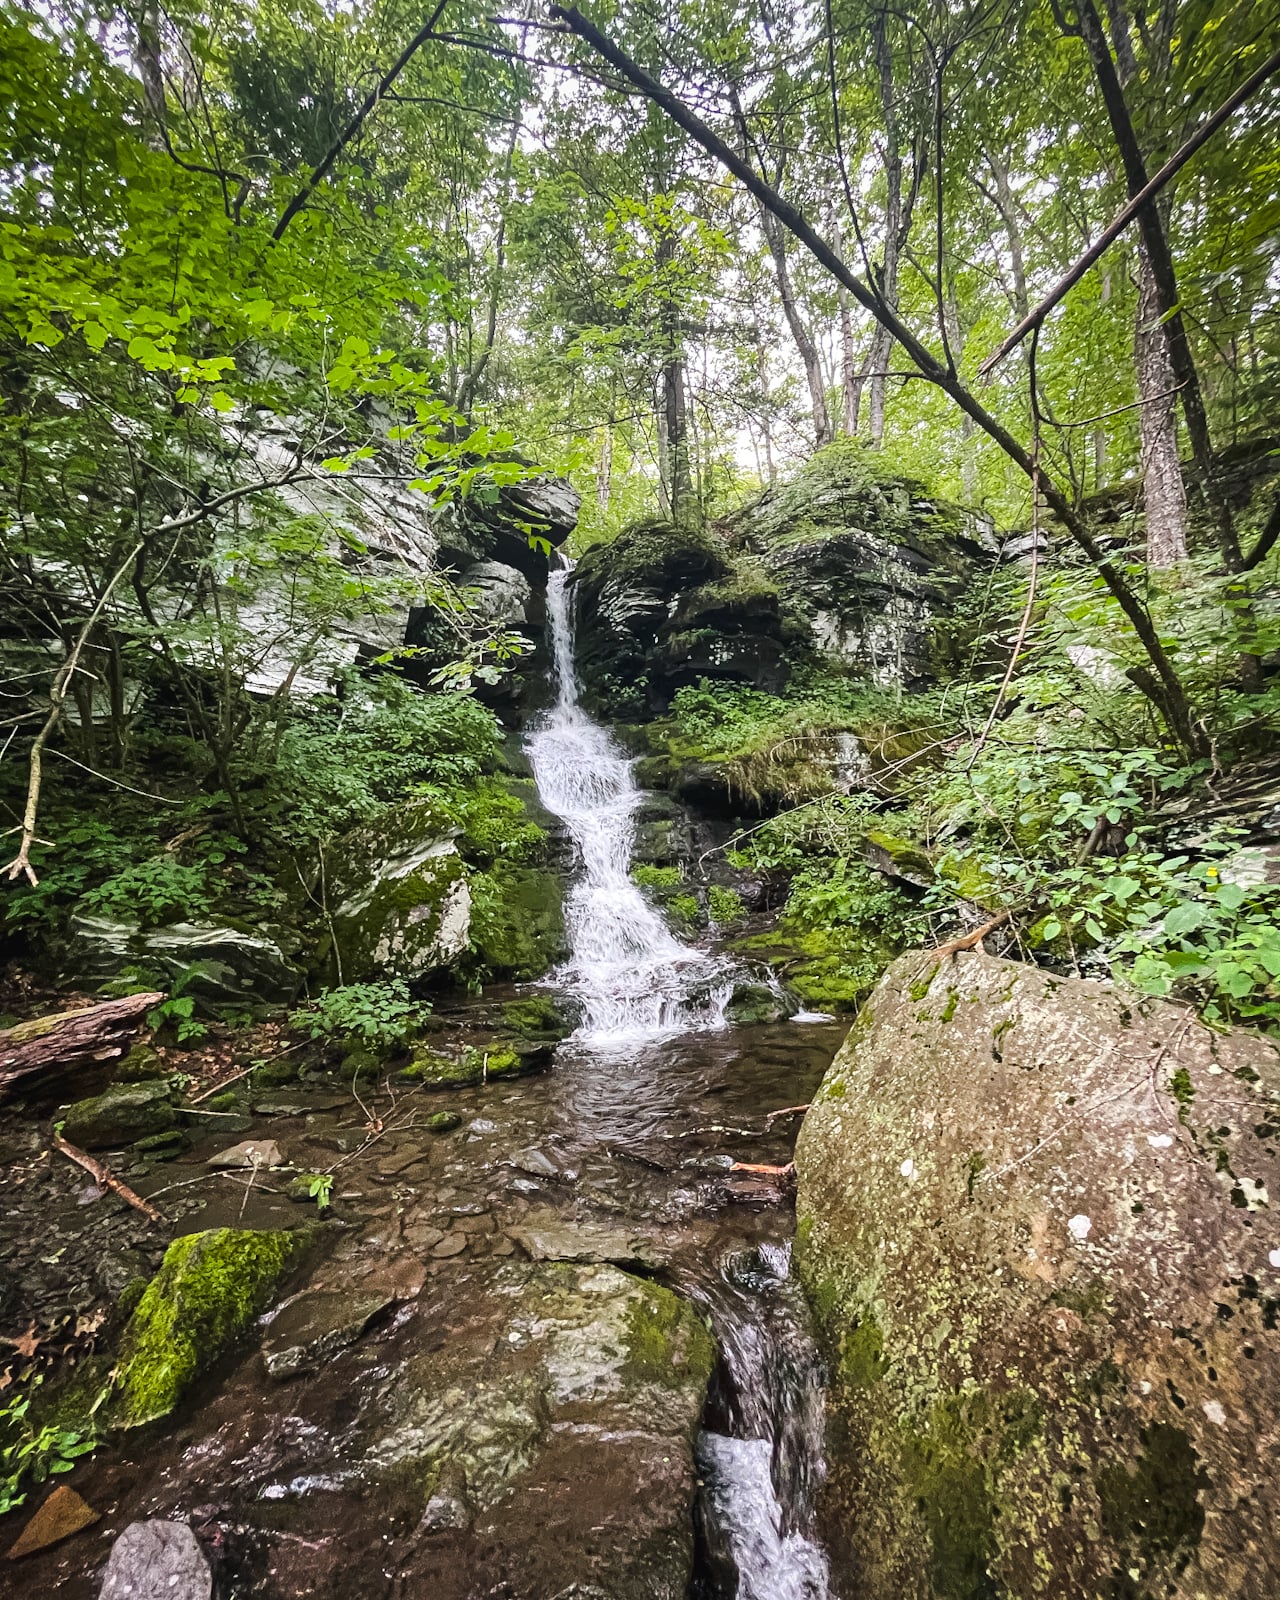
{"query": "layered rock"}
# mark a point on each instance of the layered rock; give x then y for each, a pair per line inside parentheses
(1035, 1225)
(224, 968)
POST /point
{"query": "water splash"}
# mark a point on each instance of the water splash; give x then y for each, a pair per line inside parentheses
(634, 979)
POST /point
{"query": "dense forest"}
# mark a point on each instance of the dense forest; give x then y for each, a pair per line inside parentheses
(538, 541)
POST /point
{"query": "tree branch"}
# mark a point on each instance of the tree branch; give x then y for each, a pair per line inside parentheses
(1173, 702)
(367, 108)
(1124, 217)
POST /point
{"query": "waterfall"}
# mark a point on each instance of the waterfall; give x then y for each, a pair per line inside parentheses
(633, 978)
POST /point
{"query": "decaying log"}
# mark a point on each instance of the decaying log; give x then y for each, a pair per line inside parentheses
(70, 1038)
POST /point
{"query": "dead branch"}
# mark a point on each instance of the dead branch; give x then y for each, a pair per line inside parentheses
(967, 941)
(105, 1178)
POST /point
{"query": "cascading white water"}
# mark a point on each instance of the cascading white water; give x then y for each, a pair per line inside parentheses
(634, 979)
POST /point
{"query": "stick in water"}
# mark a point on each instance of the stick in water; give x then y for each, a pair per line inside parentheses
(105, 1178)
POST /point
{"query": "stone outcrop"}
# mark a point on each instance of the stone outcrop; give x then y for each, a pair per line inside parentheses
(1035, 1224)
(568, 1403)
(225, 969)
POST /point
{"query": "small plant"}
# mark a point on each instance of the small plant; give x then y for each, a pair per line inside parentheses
(320, 1189)
(684, 908)
(381, 1015)
(657, 877)
(29, 1454)
(725, 906)
(153, 892)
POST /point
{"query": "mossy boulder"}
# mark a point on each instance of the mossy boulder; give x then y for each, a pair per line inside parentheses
(539, 1016)
(1034, 1224)
(517, 921)
(752, 1004)
(119, 1115)
(400, 896)
(207, 1292)
(568, 1400)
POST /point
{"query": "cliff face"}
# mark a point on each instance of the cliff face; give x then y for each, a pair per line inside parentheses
(843, 566)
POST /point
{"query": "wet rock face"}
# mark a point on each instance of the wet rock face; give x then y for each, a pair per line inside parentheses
(1035, 1224)
(585, 1376)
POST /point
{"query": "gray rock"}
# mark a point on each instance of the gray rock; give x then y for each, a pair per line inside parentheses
(233, 970)
(249, 1153)
(119, 1115)
(400, 895)
(536, 1163)
(548, 1236)
(499, 593)
(310, 1329)
(566, 1399)
(1035, 1224)
(156, 1560)
(751, 1004)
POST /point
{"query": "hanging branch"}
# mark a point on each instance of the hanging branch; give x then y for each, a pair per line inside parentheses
(370, 105)
(1171, 700)
(1124, 217)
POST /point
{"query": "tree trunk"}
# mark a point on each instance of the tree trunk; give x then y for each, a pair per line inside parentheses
(775, 238)
(895, 225)
(604, 472)
(1163, 494)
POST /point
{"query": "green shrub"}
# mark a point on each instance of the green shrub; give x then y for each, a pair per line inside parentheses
(381, 1015)
(725, 906)
(31, 1453)
(657, 877)
(684, 908)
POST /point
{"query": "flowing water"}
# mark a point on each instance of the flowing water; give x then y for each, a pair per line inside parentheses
(636, 983)
(633, 978)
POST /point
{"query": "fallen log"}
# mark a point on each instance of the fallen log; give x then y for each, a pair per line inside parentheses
(71, 1038)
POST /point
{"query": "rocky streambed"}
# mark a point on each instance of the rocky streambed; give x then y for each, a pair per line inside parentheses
(543, 1343)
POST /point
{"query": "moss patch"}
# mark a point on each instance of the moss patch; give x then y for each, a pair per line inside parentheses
(208, 1289)
(665, 1335)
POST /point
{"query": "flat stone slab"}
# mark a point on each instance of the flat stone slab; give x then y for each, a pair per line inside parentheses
(548, 1236)
(316, 1325)
(249, 1153)
(61, 1515)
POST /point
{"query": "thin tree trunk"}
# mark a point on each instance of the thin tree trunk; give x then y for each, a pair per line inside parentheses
(775, 238)
(894, 230)
(1163, 494)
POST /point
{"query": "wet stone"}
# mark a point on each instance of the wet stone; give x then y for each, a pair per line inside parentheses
(157, 1561)
(421, 1235)
(536, 1163)
(453, 1244)
(249, 1153)
(120, 1115)
(316, 1325)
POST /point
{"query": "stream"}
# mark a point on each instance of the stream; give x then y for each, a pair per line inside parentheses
(620, 1154)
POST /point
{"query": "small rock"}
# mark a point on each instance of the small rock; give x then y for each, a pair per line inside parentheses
(61, 1515)
(248, 1153)
(164, 1146)
(156, 1560)
(444, 1122)
(300, 1107)
(536, 1164)
(453, 1244)
(392, 1165)
(421, 1235)
(316, 1325)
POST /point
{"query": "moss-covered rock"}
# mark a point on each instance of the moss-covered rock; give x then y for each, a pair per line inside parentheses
(399, 892)
(517, 920)
(570, 1399)
(208, 1290)
(752, 1004)
(1034, 1226)
(119, 1115)
(538, 1016)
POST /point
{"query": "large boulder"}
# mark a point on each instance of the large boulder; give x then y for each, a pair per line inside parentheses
(1035, 1226)
(398, 894)
(866, 562)
(547, 1438)
(225, 969)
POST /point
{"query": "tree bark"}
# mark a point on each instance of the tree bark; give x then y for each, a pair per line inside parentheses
(895, 227)
(775, 238)
(72, 1038)
(1163, 494)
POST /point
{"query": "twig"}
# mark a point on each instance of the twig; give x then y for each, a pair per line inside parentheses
(105, 1178)
(784, 1174)
(787, 1111)
(217, 1088)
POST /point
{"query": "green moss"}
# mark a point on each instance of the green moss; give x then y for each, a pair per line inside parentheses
(921, 986)
(725, 906)
(539, 1017)
(862, 1358)
(1155, 1509)
(657, 877)
(952, 1468)
(435, 1071)
(665, 1335)
(496, 825)
(503, 1064)
(949, 1010)
(684, 908)
(517, 920)
(209, 1288)
(444, 1122)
